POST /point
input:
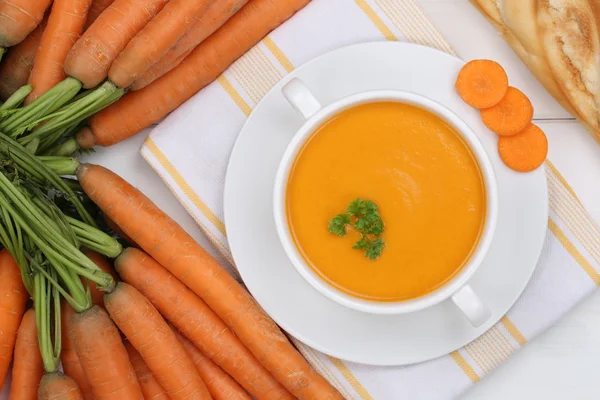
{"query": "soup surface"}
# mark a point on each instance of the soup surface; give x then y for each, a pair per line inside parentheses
(420, 173)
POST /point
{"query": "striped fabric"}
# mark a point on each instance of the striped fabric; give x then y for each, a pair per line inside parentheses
(193, 166)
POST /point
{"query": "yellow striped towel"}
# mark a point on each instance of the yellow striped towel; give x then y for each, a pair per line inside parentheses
(569, 267)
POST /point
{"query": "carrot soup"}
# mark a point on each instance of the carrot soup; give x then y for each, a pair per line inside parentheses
(422, 178)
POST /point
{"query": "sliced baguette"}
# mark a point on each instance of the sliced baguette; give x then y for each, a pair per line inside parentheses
(520, 18)
(571, 42)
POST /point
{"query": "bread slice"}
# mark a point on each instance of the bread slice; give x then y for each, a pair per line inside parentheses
(571, 41)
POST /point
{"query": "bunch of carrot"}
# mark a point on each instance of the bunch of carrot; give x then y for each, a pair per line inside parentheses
(506, 111)
(172, 323)
(161, 51)
(190, 329)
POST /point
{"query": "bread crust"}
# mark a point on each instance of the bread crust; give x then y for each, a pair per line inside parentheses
(572, 46)
(559, 41)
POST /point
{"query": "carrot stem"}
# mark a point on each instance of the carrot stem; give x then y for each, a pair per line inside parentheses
(65, 148)
(95, 239)
(52, 141)
(12, 239)
(35, 167)
(60, 165)
(77, 111)
(16, 99)
(32, 146)
(50, 101)
(44, 311)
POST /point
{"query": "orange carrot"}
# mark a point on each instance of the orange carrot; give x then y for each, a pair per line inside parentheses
(106, 266)
(155, 40)
(97, 8)
(18, 18)
(524, 151)
(65, 25)
(68, 356)
(13, 298)
(115, 228)
(16, 67)
(140, 109)
(511, 115)
(220, 385)
(150, 335)
(217, 14)
(194, 319)
(92, 55)
(177, 251)
(103, 356)
(151, 389)
(482, 83)
(56, 386)
(28, 367)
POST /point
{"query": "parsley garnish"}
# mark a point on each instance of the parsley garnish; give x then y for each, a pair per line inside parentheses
(362, 215)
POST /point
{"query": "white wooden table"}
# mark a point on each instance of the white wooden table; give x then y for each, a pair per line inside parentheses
(564, 362)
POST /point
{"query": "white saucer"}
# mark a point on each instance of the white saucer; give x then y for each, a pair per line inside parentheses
(297, 307)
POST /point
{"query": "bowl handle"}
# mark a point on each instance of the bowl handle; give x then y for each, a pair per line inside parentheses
(472, 306)
(301, 98)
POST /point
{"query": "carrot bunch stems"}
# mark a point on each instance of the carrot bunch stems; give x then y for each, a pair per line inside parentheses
(65, 148)
(36, 167)
(50, 101)
(60, 165)
(47, 236)
(75, 112)
(11, 237)
(95, 239)
(46, 300)
(15, 100)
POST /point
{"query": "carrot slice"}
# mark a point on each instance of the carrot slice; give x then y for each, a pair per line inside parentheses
(511, 115)
(526, 151)
(482, 83)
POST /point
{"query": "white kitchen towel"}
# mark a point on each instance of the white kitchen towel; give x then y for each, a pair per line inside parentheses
(193, 162)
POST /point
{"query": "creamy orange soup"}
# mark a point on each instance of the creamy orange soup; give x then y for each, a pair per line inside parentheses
(420, 173)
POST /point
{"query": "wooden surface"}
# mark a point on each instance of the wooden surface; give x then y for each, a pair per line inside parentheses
(564, 362)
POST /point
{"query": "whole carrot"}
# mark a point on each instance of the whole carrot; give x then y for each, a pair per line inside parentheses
(27, 367)
(103, 356)
(92, 55)
(151, 389)
(216, 15)
(18, 18)
(194, 319)
(65, 25)
(13, 298)
(70, 362)
(97, 8)
(139, 109)
(16, 67)
(220, 385)
(155, 39)
(57, 386)
(150, 335)
(177, 251)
